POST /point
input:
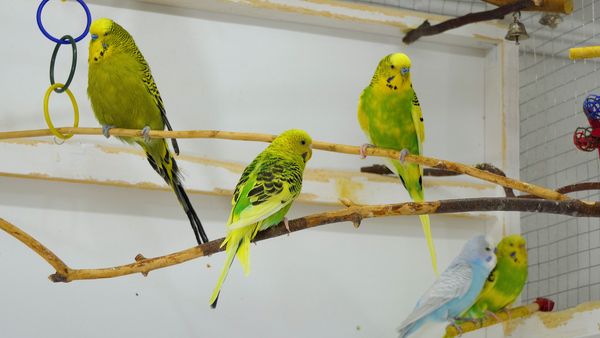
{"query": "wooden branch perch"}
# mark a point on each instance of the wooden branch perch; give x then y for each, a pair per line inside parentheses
(380, 169)
(353, 213)
(426, 29)
(332, 147)
(540, 304)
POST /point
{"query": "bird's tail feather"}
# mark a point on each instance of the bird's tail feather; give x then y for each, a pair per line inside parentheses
(163, 162)
(238, 244)
(412, 178)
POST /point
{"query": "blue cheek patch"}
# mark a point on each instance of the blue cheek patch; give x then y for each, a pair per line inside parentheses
(404, 70)
(94, 37)
(488, 258)
(389, 79)
(104, 45)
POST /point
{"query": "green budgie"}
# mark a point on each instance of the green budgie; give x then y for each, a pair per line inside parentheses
(123, 95)
(263, 196)
(390, 115)
(505, 282)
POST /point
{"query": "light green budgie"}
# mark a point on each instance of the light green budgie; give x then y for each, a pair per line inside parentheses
(263, 195)
(124, 95)
(390, 115)
(505, 283)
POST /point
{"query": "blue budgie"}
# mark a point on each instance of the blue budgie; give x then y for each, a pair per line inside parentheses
(456, 289)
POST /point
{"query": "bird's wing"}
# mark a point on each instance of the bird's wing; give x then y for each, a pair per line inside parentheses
(452, 284)
(153, 91)
(417, 116)
(363, 119)
(267, 185)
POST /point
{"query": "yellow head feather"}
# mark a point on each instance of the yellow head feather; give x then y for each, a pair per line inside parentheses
(296, 141)
(513, 247)
(100, 27)
(393, 72)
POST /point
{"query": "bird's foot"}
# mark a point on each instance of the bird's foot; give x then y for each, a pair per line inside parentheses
(476, 322)
(286, 222)
(106, 130)
(493, 315)
(403, 154)
(363, 149)
(456, 326)
(146, 133)
(507, 311)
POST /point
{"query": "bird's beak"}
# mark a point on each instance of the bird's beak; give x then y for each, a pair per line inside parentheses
(307, 155)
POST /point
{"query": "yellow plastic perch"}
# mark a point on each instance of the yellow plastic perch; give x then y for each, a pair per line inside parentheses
(584, 52)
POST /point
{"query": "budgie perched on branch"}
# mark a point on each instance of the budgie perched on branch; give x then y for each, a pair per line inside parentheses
(263, 195)
(390, 115)
(123, 94)
(505, 282)
(456, 289)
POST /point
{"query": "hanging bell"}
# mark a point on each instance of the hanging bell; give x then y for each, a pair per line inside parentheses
(516, 30)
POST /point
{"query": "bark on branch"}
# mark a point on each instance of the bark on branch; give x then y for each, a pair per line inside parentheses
(540, 304)
(352, 213)
(426, 29)
(332, 147)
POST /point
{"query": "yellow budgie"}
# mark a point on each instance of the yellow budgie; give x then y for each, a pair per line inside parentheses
(268, 187)
(390, 115)
(124, 95)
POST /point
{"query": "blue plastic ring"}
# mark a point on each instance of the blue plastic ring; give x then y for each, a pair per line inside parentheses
(63, 42)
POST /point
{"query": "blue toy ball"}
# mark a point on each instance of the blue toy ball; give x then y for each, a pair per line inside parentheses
(591, 107)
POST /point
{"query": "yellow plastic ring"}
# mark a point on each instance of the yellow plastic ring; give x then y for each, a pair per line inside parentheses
(47, 114)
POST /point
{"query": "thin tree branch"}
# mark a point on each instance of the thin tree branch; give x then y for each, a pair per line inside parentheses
(353, 213)
(571, 188)
(332, 147)
(540, 304)
(37, 247)
(426, 29)
(380, 169)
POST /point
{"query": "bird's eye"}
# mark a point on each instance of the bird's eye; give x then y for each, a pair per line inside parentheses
(487, 248)
(303, 142)
(392, 66)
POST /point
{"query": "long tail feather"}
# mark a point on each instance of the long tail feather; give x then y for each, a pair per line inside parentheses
(232, 249)
(427, 231)
(238, 244)
(163, 162)
(411, 177)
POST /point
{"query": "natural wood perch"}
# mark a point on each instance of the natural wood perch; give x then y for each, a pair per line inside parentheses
(550, 6)
(352, 213)
(426, 29)
(541, 304)
(332, 147)
(380, 169)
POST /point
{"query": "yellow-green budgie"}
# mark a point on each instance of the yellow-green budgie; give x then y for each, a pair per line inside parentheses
(390, 115)
(263, 195)
(123, 94)
(505, 282)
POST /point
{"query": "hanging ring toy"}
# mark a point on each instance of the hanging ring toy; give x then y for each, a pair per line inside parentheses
(73, 63)
(63, 42)
(47, 114)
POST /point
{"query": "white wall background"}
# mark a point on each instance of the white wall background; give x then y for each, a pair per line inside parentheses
(231, 73)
